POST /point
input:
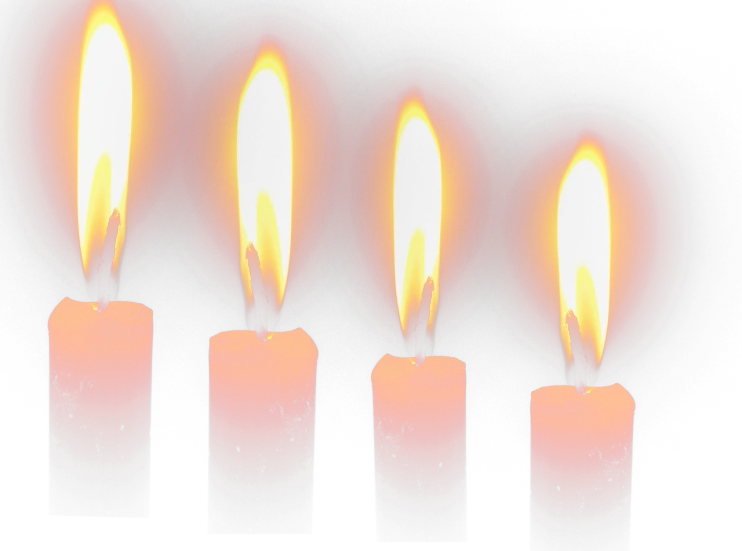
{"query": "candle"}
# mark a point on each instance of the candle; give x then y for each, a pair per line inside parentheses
(262, 384)
(420, 436)
(100, 353)
(581, 467)
(420, 402)
(261, 432)
(581, 436)
(99, 409)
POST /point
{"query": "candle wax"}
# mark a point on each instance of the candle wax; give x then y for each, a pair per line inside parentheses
(420, 445)
(581, 450)
(100, 372)
(261, 432)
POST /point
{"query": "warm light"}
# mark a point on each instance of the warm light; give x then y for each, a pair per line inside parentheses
(584, 243)
(265, 171)
(104, 134)
(417, 212)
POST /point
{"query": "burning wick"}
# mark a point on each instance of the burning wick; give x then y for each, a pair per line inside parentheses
(578, 352)
(258, 293)
(423, 316)
(106, 259)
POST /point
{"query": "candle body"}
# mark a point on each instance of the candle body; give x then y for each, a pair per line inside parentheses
(261, 432)
(581, 450)
(100, 369)
(420, 449)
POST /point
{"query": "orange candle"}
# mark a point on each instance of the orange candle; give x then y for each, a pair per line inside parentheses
(420, 435)
(262, 384)
(100, 367)
(261, 432)
(419, 403)
(100, 353)
(581, 437)
(581, 467)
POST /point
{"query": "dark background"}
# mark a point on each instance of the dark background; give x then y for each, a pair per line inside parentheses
(511, 90)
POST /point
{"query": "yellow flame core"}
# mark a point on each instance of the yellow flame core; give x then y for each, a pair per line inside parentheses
(417, 212)
(584, 246)
(104, 134)
(265, 172)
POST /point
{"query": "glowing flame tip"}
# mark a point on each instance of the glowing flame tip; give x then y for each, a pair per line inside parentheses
(584, 249)
(265, 171)
(417, 210)
(104, 132)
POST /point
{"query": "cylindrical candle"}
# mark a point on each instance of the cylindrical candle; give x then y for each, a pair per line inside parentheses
(581, 449)
(100, 371)
(261, 432)
(420, 444)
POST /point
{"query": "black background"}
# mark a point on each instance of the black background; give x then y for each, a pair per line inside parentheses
(509, 90)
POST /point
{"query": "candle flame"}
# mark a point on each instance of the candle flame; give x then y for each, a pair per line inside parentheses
(584, 248)
(104, 134)
(265, 171)
(417, 212)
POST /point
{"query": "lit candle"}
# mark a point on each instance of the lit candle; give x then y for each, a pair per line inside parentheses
(581, 437)
(262, 384)
(420, 402)
(100, 353)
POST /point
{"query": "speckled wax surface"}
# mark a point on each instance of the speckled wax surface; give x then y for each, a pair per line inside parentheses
(581, 452)
(420, 437)
(261, 420)
(100, 388)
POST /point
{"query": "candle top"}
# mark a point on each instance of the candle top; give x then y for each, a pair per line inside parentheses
(612, 396)
(393, 367)
(295, 342)
(70, 315)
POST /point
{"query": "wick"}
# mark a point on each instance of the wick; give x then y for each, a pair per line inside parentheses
(578, 352)
(106, 259)
(258, 293)
(423, 316)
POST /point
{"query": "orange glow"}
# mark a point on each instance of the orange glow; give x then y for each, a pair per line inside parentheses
(417, 212)
(104, 133)
(584, 248)
(265, 171)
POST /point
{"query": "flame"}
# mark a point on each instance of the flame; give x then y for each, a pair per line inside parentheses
(417, 212)
(104, 133)
(265, 171)
(584, 245)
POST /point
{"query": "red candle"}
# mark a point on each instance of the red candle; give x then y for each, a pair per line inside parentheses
(581, 437)
(262, 384)
(419, 403)
(100, 353)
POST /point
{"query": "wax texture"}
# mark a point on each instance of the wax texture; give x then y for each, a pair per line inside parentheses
(420, 449)
(581, 448)
(261, 432)
(100, 373)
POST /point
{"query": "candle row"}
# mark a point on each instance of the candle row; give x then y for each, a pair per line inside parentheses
(262, 383)
(261, 435)
(261, 415)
